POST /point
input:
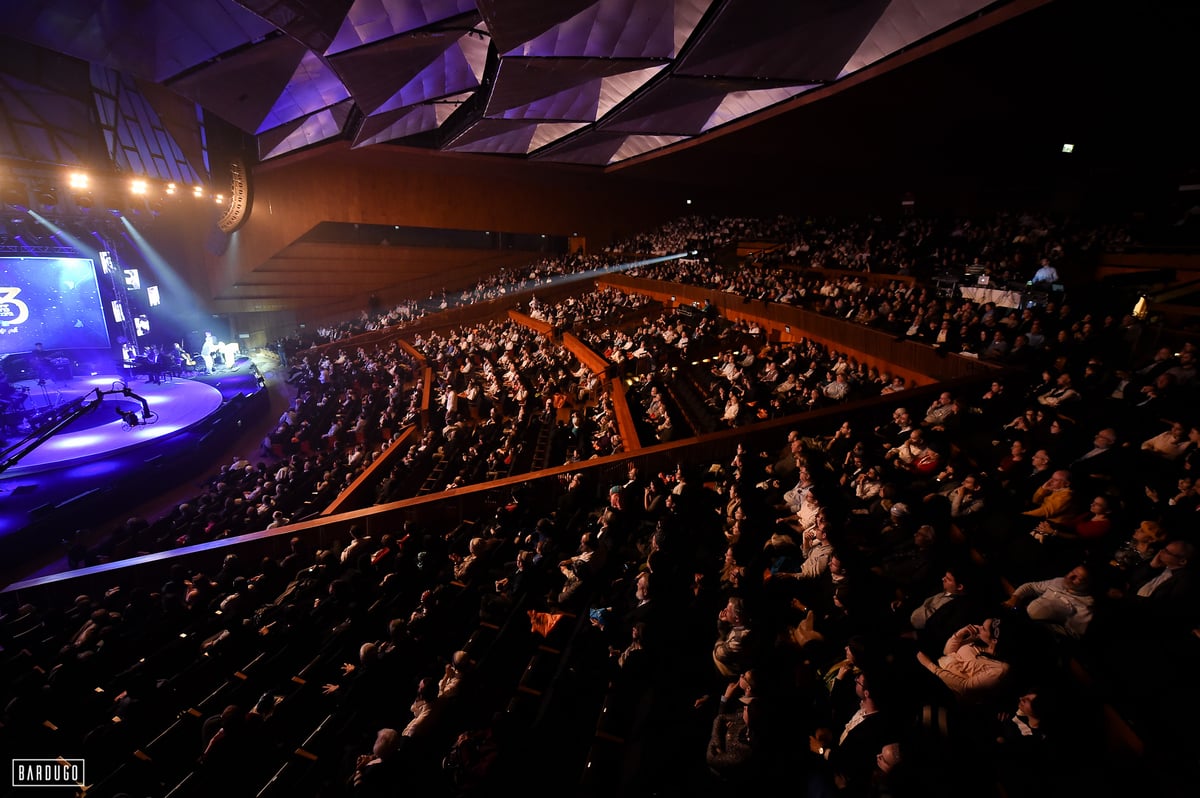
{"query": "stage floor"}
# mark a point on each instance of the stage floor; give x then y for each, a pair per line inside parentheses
(174, 404)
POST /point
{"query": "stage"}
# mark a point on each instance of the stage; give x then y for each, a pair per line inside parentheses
(97, 467)
(101, 431)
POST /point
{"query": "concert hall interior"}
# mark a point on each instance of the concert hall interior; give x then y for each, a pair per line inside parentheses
(599, 397)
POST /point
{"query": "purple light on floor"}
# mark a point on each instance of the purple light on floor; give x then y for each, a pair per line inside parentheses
(79, 441)
(99, 468)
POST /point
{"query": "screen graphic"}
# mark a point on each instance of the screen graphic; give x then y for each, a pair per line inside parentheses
(55, 301)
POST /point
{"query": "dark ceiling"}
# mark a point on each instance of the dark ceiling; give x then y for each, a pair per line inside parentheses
(1117, 82)
(592, 82)
(816, 93)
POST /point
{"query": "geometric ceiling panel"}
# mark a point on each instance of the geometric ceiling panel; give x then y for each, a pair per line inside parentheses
(741, 103)
(151, 40)
(620, 29)
(591, 80)
(313, 86)
(495, 137)
(498, 137)
(370, 21)
(758, 40)
(311, 22)
(679, 106)
(634, 146)
(324, 124)
(408, 121)
(592, 149)
(550, 132)
(618, 88)
(376, 72)
(561, 88)
(512, 22)
(244, 86)
(457, 69)
(908, 21)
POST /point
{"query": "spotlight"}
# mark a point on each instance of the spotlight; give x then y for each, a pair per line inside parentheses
(78, 180)
(219, 199)
(197, 191)
(171, 189)
(138, 186)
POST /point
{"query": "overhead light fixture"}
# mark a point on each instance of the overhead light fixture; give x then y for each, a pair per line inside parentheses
(197, 191)
(171, 188)
(139, 186)
(219, 199)
(78, 180)
(1068, 148)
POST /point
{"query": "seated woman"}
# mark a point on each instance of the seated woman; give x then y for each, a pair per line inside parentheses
(1068, 540)
(970, 665)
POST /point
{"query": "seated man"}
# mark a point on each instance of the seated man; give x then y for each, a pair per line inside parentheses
(1169, 445)
(946, 611)
(1063, 605)
(1161, 596)
(1053, 501)
(1061, 394)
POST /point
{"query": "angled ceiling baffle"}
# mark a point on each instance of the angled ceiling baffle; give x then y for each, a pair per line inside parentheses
(589, 82)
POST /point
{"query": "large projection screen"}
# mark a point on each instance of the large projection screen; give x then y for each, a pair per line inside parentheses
(54, 301)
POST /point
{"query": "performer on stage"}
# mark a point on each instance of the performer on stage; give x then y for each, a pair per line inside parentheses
(155, 365)
(207, 350)
(229, 353)
(41, 364)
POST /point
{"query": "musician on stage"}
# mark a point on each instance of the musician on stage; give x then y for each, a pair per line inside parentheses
(41, 364)
(155, 365)
(179, 359)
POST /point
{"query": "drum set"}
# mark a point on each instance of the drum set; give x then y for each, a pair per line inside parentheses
(13, 411)
(18, 414)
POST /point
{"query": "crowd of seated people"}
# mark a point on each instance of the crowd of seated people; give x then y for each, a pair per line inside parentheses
(348, 406)
(789, 623)
(505, 282)
(585, 312)
(494, 379)
(823, 599)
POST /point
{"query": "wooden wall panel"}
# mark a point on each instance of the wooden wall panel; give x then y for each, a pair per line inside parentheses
(390, 185)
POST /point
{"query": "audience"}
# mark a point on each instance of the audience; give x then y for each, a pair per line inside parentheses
(837, 562)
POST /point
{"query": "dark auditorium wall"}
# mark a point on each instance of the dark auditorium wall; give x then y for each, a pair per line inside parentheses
(389, 185)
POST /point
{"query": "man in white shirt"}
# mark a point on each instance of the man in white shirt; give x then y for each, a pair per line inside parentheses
(1046, 273)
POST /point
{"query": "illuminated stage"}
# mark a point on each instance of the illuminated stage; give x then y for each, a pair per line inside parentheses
(175, 405)
(96, 469)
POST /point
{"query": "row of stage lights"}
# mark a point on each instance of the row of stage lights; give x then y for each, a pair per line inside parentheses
(80, 182)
